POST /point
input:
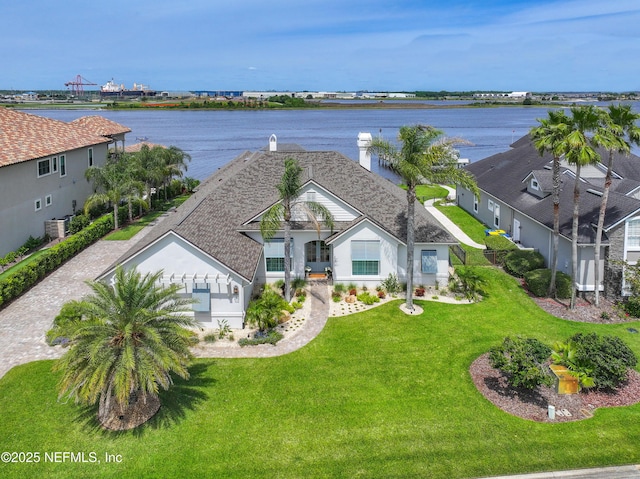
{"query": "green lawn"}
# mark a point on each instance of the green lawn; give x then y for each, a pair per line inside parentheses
(427, 192)
(376, 394)
(129, 231)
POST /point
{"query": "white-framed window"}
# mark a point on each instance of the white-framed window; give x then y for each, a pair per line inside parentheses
(365, 257)
(37, 204)
(311, 196)
(54, 164)
(63, 165)
(48, 200)
(429, 261)
(490, 205)
(633, 234)
(44, 167)
(201, 295)
(90, 156)
(274, 255)
(534, 184)
(475, 204)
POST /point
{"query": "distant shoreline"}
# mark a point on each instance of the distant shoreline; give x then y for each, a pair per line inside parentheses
(354, 105)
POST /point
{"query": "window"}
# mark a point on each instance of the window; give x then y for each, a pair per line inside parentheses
(633, 234)
(490, 205)
(429, 261)
(37, 204)
(365, 258)
(54, 164)
(274, 255)
(202, 297)
(44, 167)
(534, 184)
(90, 157)
(311, 196)
(47, 200)
(63, 165)
(475, 204)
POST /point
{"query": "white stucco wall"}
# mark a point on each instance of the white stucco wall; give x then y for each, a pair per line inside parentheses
(177, 257)
(342, 270)
(20, 187)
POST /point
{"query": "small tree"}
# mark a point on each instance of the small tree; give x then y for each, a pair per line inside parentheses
(523, 360)
(266, 311)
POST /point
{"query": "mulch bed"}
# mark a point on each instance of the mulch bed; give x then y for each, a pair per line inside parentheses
(533, 404)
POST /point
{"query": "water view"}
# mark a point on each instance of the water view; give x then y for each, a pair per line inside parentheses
(213, 138)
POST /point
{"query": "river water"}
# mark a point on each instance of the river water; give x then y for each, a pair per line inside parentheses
(214, 137)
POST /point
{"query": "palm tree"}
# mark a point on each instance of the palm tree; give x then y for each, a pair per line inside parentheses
(425, 155)
(110, 183)
(283, 211)
(174, 163)
(615, 135)
(550, 136)
(130, 339)
(579, 151)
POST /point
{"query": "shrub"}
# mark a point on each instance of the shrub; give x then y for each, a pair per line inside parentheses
(632, 306)
(523, 360)
(420, 291)
(538, 280)
(210, 338)
(336, 296)
(339, 288)
(298, 284)
(518, 262)
(391, 284)
(78, 222)
(271, 337)
(467, 282)
(70, 313)
(606, 358)
(265, 312)
(368, 298)
(353, 291)
(382, 294)
(296, 305)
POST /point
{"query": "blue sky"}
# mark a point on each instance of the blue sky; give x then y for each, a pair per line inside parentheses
(324, 45)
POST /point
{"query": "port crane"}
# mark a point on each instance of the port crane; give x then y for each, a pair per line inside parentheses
(77, 85)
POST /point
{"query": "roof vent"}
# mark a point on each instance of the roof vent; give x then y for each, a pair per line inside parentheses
(594, 192)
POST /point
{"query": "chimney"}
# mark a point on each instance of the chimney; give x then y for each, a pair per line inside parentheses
(273, 143)
(364, 141)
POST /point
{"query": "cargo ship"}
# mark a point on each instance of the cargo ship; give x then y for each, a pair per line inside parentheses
(112, 89)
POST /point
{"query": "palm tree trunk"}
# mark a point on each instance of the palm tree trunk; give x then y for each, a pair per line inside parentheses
(115, 215)
(411, 206)
(556, 226)
(287, 257)
(600, 227)
(574, 238)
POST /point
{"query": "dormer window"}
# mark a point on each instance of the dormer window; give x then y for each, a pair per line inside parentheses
(534, 184)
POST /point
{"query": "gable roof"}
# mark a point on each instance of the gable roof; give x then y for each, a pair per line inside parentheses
(26, 137)
(501, 176)
(215, 216)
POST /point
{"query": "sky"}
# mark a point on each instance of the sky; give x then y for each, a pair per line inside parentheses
(323, 45)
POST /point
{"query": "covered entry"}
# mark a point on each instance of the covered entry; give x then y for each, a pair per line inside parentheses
(317, 256)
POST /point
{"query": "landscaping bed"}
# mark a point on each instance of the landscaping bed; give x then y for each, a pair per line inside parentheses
(533, 404)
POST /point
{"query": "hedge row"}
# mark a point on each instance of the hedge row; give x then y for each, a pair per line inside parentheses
(17, 283)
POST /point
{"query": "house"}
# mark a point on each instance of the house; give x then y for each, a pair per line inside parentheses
(212, 244)
(42, 166)
(516, 196)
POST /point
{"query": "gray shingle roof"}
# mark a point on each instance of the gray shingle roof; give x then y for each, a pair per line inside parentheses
(501, 176)
(214, 217)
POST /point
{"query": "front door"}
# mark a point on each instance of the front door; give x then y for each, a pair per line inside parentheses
(516, 231)
(317, 256)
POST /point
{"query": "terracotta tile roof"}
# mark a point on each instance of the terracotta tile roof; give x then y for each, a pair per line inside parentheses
(101, 125)
(26, 137)
(138, 146)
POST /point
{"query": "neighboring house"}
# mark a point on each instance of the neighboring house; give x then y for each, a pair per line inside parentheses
(516, 196)
(42, 166)
(213, 247)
